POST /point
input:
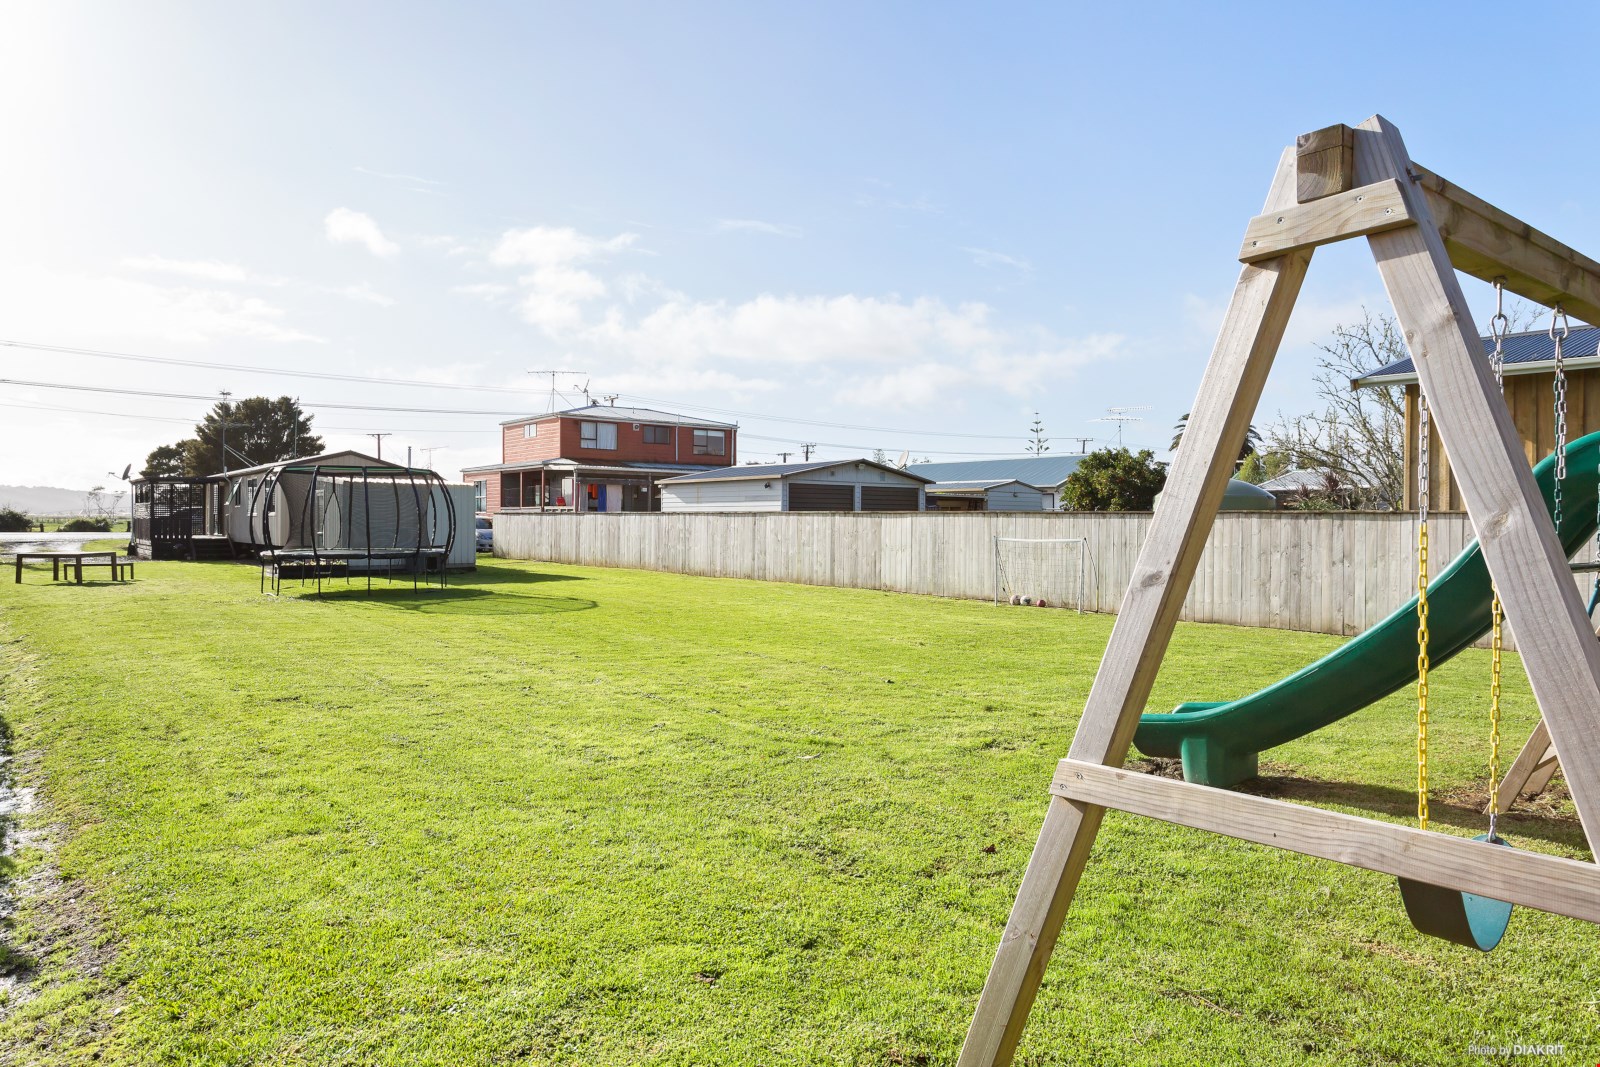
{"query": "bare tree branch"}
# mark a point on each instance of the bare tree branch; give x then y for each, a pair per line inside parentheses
(1359, 436)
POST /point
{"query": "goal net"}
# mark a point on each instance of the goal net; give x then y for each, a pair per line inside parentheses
(1048, 571)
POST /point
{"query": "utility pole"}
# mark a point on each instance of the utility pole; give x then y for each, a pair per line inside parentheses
(612, 399)
(226, 415)
(1083, 444)
(783, 457)
(808, 448)
(378, 437)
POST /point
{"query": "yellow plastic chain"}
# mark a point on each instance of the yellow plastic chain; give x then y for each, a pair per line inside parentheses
(1422, 613)
(1422, 674)
(1494, 715)
(1499, 326)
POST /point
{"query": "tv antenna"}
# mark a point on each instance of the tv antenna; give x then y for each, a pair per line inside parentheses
(1121, 416)
(553, 391)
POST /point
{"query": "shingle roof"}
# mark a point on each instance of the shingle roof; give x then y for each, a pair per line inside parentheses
(1526, 353)
(608, 413)
(783, 470)
(1044, 471)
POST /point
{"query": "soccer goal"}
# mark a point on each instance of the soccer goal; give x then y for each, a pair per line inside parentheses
(1050, 572)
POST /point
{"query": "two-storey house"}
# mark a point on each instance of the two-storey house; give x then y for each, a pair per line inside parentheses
(597, 458)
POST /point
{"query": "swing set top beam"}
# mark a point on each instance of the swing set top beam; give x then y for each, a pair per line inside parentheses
(1488, 243)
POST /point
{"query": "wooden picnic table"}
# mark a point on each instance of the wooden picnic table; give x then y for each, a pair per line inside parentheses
(75, 558)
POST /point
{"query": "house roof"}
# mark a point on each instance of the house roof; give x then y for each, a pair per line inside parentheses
(979, 485)
(348, 457)
(785, 470)
(1042, 471)
(1531, 352)
(611, 413)
(568, 465)
(1292, 481)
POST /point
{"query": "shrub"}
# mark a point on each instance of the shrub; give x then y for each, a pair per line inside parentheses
(1114, 479)
(87, 526)
(14, 521)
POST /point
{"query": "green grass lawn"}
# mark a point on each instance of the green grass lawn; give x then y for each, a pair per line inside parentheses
(565, 815)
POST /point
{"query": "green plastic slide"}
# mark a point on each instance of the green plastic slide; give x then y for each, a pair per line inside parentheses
(1219, 741)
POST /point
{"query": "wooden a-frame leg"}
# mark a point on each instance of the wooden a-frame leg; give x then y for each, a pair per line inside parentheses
(1531, 771)
(1526, 561)
(1251, 332)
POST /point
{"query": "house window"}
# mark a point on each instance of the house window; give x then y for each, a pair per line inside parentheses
(658, 435)
(530, 429)
(597, 435)
(480, 496)
(710, 443)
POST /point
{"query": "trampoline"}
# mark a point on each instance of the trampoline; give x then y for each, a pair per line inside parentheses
(317, 522)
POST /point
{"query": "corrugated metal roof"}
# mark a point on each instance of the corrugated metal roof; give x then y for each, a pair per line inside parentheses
(567, 465)
(986, 483)
(347, 457)
(608, 413)
(1526, 353)
(784, 470)
(1044, 471)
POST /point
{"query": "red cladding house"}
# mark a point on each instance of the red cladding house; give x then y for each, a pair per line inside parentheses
(598, 458)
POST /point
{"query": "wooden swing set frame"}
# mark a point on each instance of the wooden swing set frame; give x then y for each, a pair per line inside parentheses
(1337, 183)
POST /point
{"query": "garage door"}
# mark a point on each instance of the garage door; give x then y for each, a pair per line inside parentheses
(888, 498)
(804, 497)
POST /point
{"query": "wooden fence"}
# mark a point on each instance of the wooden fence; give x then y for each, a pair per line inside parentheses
(1336, 573)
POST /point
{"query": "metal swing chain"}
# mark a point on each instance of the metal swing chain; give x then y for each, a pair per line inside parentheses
(1499, 325)
(1422, 610)
(1558, 335)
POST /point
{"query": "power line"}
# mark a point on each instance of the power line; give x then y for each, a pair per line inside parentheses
(815, 422)
(303, 403)
(100, 353)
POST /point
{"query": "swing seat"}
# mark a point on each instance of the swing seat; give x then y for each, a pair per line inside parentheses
(1465, 918)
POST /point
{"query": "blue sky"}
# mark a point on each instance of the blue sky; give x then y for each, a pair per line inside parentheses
(897, 217)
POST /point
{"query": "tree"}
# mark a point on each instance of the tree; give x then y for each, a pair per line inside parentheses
(1114, 479)
(1040, 443)
(259, 430)
(1252, 439)
(165, 461)
(1359, 436)
(1259, 466)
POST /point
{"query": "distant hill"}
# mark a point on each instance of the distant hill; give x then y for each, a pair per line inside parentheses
(48, 500)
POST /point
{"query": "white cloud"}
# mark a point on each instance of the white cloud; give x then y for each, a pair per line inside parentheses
(344, 226)
(211, 270)
(987, 257)
(485, 290)
(885, 351)
(409, 178)
(364, 293)
(131, 310)
(775, 229)
(555, 297)
(553, 246)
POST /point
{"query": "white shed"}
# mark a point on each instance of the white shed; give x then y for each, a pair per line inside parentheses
(823, 485)
(993, 494)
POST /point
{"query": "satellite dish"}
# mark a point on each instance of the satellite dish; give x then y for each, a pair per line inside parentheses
(127, 471)
(905, 457)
